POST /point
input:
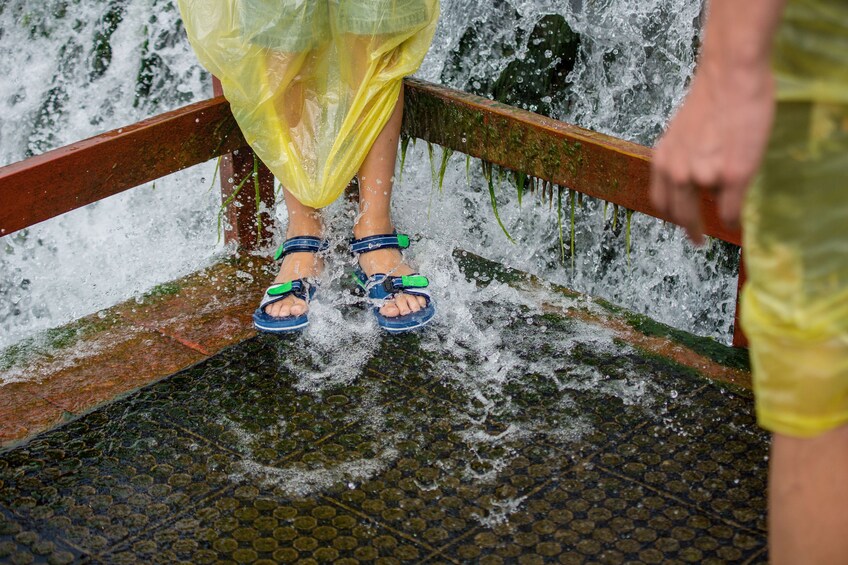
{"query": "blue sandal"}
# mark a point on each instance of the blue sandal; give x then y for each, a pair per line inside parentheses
(380, 287)
(301, 288)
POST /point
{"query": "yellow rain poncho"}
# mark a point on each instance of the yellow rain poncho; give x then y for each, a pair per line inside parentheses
(795, 305)
(311, 83)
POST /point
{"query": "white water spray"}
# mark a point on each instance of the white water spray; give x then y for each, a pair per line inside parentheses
(632, 67)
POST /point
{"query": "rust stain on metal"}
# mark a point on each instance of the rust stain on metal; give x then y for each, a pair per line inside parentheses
(183, 341)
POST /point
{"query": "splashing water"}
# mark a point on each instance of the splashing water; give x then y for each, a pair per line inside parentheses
(113, 63)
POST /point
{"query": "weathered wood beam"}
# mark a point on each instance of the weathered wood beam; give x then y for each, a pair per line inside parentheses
(64, 179)
(599, 165)
(247, 228)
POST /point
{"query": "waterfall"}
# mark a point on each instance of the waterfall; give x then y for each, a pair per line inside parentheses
(75, 68)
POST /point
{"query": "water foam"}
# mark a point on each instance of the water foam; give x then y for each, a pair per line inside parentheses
(632, 68)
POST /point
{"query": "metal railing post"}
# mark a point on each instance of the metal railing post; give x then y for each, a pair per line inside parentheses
(247, 229)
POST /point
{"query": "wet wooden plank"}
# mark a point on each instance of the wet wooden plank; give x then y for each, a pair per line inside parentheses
(23, 412)
(127, 365)
(64, 179)
(599, 165)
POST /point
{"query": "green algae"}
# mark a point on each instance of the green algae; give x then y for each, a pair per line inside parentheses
(736, 358)
(257, 199)
(559, 226)
(488, 173)
(520, 179)
(446, 155)
(215, 172)
(162, 290)
(404, 147)
(489, 270)
(46, 344)
(231, 199)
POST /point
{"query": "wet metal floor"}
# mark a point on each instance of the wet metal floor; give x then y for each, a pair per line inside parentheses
(234, 460)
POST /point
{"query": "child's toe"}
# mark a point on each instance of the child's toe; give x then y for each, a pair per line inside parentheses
(412, 303)
(390, 310)
(298, 308)
(402, 301)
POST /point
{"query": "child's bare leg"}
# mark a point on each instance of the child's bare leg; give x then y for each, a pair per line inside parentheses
(808, 498)
(285, 68)
(375, 199)
(302, 221)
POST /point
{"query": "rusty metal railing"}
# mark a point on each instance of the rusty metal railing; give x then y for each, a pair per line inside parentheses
(64, 179)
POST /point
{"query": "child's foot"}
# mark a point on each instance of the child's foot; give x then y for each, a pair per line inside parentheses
(390, 262)
(295, 266)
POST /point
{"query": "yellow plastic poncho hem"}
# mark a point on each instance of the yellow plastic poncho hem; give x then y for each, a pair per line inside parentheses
(311, 83)
(795, 304)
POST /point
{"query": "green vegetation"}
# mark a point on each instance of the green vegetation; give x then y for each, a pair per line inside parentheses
(48, 342)
(708, 347)
(724, 355)
(487, 172)
(164, 289)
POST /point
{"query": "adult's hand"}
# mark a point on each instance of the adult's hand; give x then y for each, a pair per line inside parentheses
(716, 140)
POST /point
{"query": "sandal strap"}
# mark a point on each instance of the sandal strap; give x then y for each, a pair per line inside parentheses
(382, 287)
(301, 244)
(375, 242)
(299, 288)
(406, 282)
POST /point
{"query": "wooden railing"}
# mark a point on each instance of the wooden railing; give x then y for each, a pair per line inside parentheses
(64, 179)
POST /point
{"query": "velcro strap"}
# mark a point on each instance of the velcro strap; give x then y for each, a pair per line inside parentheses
(375, 242)
(285, 288)
(301, 244)
(396, 284)
(277, 292)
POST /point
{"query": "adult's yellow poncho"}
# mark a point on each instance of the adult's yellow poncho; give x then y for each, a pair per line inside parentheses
(795, 305)
(311, 83)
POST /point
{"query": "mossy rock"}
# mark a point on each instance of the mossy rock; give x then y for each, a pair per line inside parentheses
(532, 81)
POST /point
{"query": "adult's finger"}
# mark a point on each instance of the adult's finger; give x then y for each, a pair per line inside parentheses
(730, 202)
(659, 189)
(686, 209)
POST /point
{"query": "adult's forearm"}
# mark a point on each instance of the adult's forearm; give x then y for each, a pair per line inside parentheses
(738, 35)
(716, 140)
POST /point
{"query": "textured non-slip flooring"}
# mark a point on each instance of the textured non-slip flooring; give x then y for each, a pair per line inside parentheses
(237, 460)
